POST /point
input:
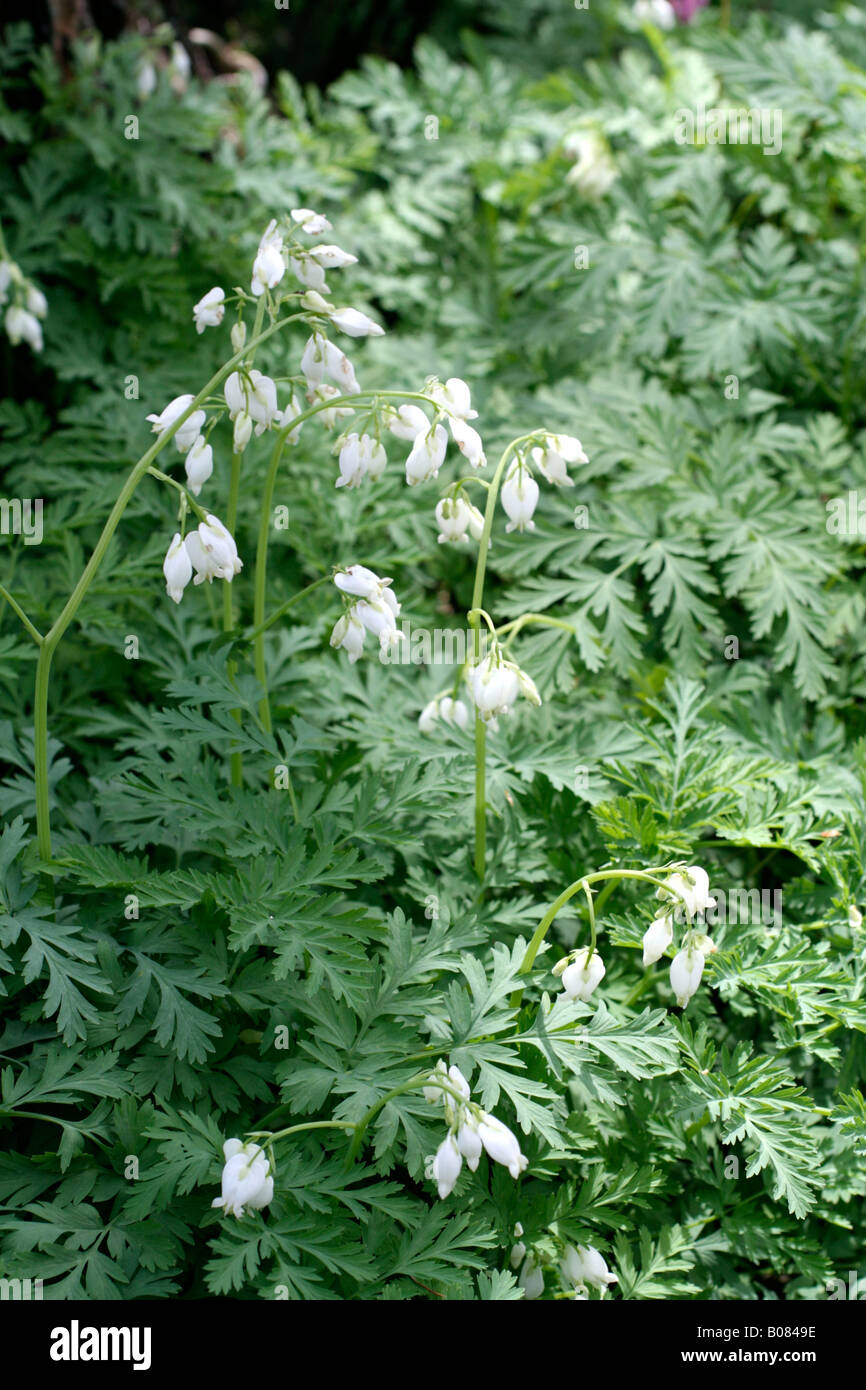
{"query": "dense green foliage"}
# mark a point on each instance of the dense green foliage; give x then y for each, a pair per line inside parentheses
(701, 329)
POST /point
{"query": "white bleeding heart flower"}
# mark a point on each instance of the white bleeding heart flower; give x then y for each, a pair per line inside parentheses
(268, 266)
(593, 170)
(209, 311)
(657, 938)
(689, 890)
(446, 1166)
(361, 582)
(36, 302)
(583, 976)
(308, 272)
(213, 552)
(23, 326)
(658, 12)
(313, 223)
(349, 634)
(531, 1279)
(453, 518)
(332, 257)
(199, 465)
(453, 398)
(246, 1179)
(494, 686)
(407, 422)
(586, 1265)
(469, 443)
(320, 395)
(356, 324)
(177, 568)
(687, 967)
(519, 496)
(243, 432)
(501, 1145)
(189, 431)
(427, 455)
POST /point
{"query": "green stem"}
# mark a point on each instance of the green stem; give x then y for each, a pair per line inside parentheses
(52, 638)
(259, 625)
(16, 608)
(278, 613)
(422, 1078)
(475, 624)
(236, 760)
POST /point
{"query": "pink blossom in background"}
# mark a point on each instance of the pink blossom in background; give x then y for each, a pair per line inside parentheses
(687, 9)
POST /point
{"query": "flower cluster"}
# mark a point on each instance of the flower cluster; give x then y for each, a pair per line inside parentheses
(471, 1132)
(496, 684)
(429, 438)
(375, 610)
(686, 893)
(446, 708)
(520, 491)
(28, 306)
(581, 1268)
(247, 1180)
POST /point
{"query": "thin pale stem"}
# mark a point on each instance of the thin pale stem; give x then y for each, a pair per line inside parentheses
(17, 609)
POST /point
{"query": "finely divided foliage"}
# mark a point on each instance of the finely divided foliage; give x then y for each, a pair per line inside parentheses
(433, 815)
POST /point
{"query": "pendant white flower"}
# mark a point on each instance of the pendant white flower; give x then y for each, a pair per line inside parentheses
(501, 1145)
(657, 938)
(583, 976)
(322, 358)
(407, 422)
(453, 398)
(519, 496)
(586, 1265)
(313, 223)
(469, 443)
(446, 1166)
(268, 266)
(454, 517)
(689, 891)
(246, 1179)
(36, 302)
(209, 311)
(199, 465)
(427, 455)
(213, 552)
(356, 324)
(189, 431)
(531, 1279)
(553, 459)
(177, 568)
(332, 257)
(22, 326)
(687, 967)
(349, 634)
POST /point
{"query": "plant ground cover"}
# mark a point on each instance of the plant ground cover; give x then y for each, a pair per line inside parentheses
(501, 939)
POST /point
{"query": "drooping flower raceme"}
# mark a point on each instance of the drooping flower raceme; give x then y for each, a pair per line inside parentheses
(375, 611)
(247, 1181)
(471, 1131)
(584, 1266)
(686, 897)
(496, 684)
(22, 319)
(450, 711)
